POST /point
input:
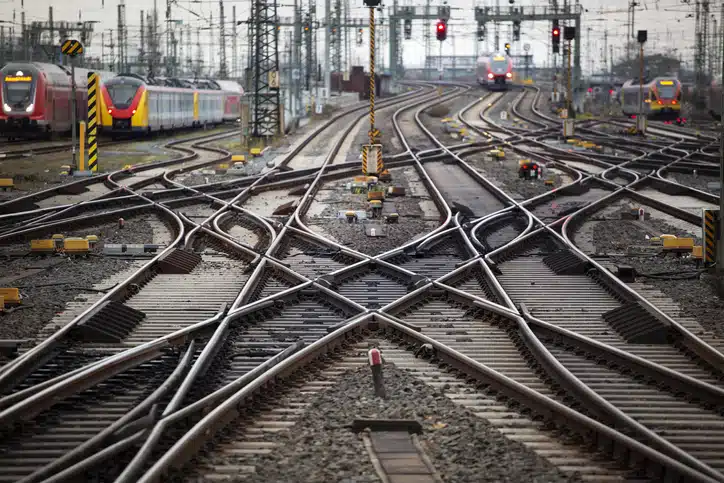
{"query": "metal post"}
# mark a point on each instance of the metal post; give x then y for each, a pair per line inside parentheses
(439, 64)
(720, 244)
(372, 77)
(74, 114)
(570, 92)
(375, 359)
(327, 37)
(93, 80)
(641, 80)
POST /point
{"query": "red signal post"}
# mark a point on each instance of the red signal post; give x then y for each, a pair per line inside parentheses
(375, 358)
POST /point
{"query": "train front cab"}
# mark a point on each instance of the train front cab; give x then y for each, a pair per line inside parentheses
(125, 103)
(665, 101)
(23, 109)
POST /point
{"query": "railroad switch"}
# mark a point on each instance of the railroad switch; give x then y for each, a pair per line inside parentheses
(7, 184)
(376, 208)
(351, 216)
(76, 246)
(375, 195)
(10, 296)
(392, 218)
(626, 273)
(42, 246)
(92, 241)
(58, 240)
(678, 245)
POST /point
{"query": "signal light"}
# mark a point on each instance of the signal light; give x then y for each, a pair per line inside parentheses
(441, 30)
(590, 89)
(556, 37)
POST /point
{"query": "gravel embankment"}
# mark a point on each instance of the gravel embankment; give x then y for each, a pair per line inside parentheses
(504, 174)
(625, 242)
(46, 293)
(700, 182)
(413, 219)
(432, 118)
(697, 298)
(463, 447)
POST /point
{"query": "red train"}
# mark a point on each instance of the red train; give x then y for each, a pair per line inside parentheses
(36, 98)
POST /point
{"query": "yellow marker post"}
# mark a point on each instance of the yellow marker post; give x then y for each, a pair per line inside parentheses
(93, 80)
(81, 138)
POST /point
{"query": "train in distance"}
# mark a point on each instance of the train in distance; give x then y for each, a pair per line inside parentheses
(36, 100)
(495, 71)
(661, 98)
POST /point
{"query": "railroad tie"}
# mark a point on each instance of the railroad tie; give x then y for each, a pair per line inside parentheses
(396, 452)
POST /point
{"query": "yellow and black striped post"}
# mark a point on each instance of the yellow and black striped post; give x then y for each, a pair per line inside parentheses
(710, 232)
(92, 121)
(364, 159)
(372, 77)
(372, 152)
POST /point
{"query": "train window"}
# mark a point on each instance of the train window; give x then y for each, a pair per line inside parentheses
(666, 92)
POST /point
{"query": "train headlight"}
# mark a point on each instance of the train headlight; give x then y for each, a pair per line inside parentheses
(30, 108)
(508, 75)
(6, 108)
(490, 75)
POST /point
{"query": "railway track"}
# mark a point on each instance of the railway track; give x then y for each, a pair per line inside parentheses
(280, 299)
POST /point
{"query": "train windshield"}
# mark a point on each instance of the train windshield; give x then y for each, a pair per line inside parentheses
(499, 65)
(122, 91)
(17, 89)
(666, 91)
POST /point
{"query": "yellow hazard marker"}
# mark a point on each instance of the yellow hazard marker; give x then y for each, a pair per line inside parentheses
(710, 221)
(92, 122)
(72, 48)
(364, 159)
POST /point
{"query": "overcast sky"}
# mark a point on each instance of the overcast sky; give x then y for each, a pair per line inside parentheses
(666, 20)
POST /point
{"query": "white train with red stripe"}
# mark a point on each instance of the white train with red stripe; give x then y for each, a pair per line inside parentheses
(495, 71)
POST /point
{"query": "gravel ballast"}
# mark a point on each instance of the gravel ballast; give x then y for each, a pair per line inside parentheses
(463, 448)
(624, 241)
(415, 214)
(504, 174)
(44, 302)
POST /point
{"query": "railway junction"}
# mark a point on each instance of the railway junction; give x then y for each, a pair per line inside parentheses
(445, 283)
